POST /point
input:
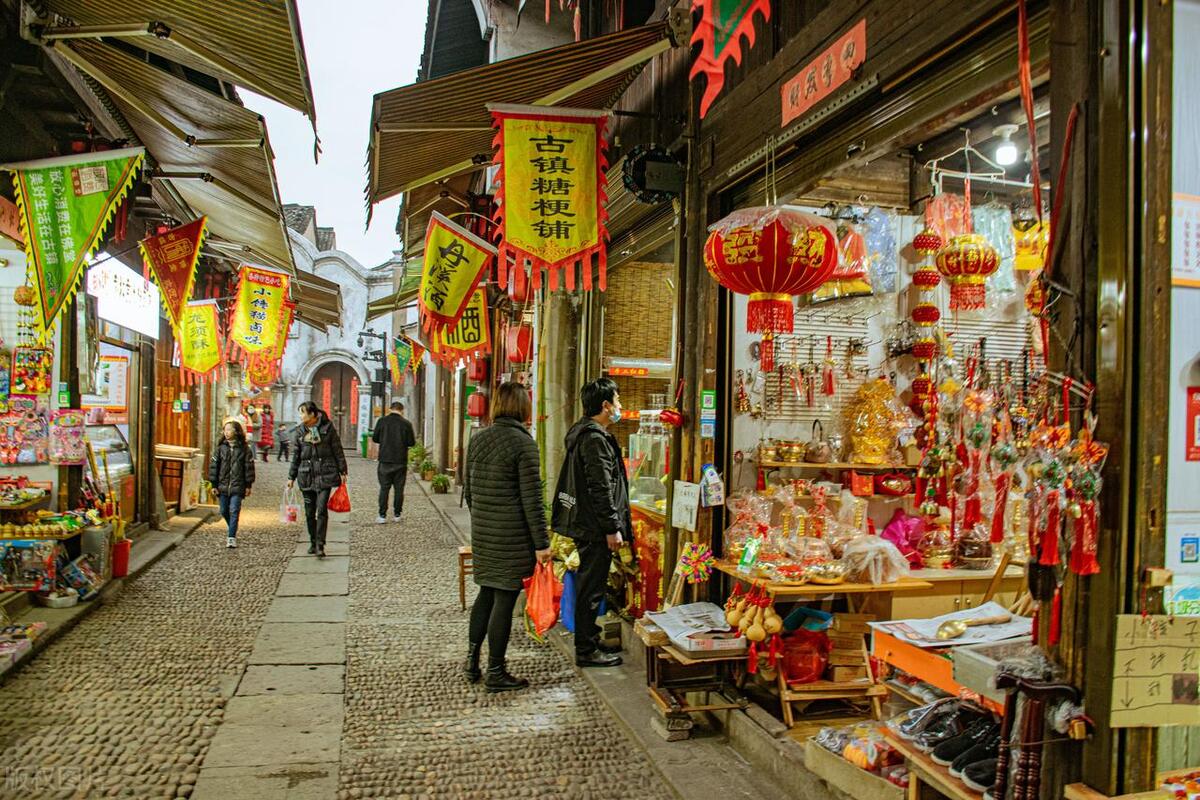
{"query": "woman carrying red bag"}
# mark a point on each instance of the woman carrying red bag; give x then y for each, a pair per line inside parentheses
(320, 466)
(503, 489)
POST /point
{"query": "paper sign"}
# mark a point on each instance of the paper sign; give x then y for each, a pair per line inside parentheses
(1192, 429)
(684, 505)
(1156, 675)
(1185, 239)
(708, 401)
(825, 73)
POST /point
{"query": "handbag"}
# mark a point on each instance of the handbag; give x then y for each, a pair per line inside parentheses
(818, 450)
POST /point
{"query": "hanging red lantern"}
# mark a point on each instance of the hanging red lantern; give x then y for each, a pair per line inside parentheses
(966, 262)
(770, 253)
(518, 341)
(477, 371)
(926, 279)
(927, 242)
(477, 405)
(925, 350)
(926, 315)
(922, 386)
(518, 284)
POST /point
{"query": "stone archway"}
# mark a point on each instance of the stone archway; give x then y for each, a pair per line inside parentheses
(333, 381)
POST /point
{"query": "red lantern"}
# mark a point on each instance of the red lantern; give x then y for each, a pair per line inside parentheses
(966, 262)
(771, 254)
(518, 285)
(927, 242)
(477, 372)
(925, 350)
(517, 343)
(926, 279)
(922, 386)
(477, 405)
(926, 315)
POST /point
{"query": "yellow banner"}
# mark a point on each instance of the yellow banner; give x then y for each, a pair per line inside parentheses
(200, 338)
(469, 338)
(455, 260)
(259, 309)
(552, 190)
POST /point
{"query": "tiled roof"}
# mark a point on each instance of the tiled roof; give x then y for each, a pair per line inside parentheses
(326, 239)
(298, 217)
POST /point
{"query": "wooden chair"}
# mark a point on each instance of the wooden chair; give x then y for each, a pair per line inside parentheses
(466, 566)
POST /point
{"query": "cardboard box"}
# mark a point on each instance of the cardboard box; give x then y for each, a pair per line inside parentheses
(851, 623)
(650, 634)
(846, 641)
(845, 674)
(711, 642)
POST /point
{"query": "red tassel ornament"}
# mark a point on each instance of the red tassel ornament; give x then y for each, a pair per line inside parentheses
(1048, 555)
(1055, 633)
(1001, 482)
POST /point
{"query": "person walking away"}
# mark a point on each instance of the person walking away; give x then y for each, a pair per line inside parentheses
(266, 436)
(285, 439)
(503, 490)
(319, 465)
(231, 473)
(591, 505)
(394, 435)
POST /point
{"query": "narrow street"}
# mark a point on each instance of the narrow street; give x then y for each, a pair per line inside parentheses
(266, 673)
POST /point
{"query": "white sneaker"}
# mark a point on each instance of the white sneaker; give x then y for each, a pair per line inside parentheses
(231, 542)
(380, 520)
(395, 519)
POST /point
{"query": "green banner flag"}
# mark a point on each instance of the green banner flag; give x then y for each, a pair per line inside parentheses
(404, 351)
(65, 204)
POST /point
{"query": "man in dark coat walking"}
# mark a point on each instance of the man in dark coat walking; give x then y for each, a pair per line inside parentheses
(394, 435)
(591, 505)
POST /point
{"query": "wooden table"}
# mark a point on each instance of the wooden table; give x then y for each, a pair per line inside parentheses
(811, 591)
(670, 691)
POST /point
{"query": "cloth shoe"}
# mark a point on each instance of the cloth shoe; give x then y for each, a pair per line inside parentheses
(920, 719)
(951, 748)
(471, 669)
(597, 658)
(381, 520)
(988, 747)
(980, 776)
(948, 727)
(499, 680)
(231, 542)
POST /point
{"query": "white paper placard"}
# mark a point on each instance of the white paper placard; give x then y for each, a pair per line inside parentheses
(684, 505)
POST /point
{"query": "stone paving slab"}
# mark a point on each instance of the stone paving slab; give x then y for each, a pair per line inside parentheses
(307, 609)
(285, 711)
(308, 565)
(309, 584)
(239, 745)
(289, 679)
(290, 782)
(331, 548)
(300, 643)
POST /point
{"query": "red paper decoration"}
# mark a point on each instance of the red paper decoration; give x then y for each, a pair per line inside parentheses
(926, 278)
(966, 262)
(771, 254)
(518, 341)
(925, 350)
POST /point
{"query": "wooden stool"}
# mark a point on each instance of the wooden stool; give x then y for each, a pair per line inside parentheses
(465, 567)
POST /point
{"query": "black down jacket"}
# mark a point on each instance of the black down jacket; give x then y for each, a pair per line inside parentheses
(503, 489)
(231, 468)
(591, 500)
(318, 465)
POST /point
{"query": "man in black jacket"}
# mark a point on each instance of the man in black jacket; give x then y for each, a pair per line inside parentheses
(394, 435)
(591, 505)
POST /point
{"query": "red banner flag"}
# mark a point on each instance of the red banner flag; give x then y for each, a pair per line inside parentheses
(170, 259)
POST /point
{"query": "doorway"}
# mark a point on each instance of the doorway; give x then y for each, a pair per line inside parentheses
(335, 388)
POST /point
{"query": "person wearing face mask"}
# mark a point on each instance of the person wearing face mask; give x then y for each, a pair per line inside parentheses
(591, 505)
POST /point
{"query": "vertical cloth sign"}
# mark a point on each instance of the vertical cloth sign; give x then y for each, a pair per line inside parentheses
(171, 260)
(264, 366)
(260, 303)
(65, 205)
(719, 32)
(455, 260)
(200, 350)
(470, 338)
(552, 191)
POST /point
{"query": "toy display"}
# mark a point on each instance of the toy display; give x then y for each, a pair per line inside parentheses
(67, 442)
(31, 370)
(27, 565)
(24, 432)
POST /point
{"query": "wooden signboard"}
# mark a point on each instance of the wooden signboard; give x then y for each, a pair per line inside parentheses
(1156, 679)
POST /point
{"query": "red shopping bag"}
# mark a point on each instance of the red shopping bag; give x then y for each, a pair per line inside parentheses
(340, 499)
(543, 592)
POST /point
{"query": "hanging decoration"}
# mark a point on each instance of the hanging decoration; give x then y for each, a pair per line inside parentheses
(770, 253)
(696, 562)
(551, 195)
(200, 346)
(400, 358)
(256, 316)
(418, 354)
(65, 204)
(722, 25)
(966, 262)
(170, 259)
(263, 368)
(470, 338)
(455, 262)
(925, 313)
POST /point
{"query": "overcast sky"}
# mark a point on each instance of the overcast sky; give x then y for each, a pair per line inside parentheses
(355, 48)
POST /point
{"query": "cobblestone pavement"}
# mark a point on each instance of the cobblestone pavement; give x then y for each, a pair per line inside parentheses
(188, 659)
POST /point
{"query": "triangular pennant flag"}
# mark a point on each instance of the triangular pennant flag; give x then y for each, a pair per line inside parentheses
(200, 345)
(455, 261)
(471, 337)
(171, 260)
(65, 205)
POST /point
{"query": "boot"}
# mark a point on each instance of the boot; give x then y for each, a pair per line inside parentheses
(312, 547)
(498, 679)
(471, 669)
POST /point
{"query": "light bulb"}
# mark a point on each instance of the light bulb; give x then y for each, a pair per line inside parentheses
(1006, 154)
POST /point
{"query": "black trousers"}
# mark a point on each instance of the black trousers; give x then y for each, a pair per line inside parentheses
(591, 579)
(492, 616)
(316, 514)
(392, 477)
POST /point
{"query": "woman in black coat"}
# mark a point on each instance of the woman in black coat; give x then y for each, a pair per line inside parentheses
(320, 466)
(503, 489)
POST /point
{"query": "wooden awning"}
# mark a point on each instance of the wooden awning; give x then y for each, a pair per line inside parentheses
(318, 301)
(251, 43)
(431, 130)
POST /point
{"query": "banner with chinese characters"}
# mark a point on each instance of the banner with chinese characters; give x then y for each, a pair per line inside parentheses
(552, 191)
(402, 355)
(470, 338)
(263, 367)
(719, 30)
(256, 316)
(455, 261)
(65, 206)
(200, 346)
(170, 259)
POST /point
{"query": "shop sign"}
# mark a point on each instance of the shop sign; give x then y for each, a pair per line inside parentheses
(261, 298)
(1185, 240)
(1193, 424)
(171, 259)
(123, 297)
(455, 262)
(200, 345)
(828, 71)
(628, 372)
(471, 337)
(685, 505)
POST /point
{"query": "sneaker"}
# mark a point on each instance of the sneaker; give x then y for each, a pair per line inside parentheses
(396, 518)
(952, 747)
(920, 719)
(989, 747)
(231, 542)
(949, 726)
(381, 520)
(980, 776)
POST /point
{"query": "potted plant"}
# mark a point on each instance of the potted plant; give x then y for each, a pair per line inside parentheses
(440, 484)
(416, 455)
(428, 470)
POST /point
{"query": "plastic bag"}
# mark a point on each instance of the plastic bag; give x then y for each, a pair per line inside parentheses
(870, 559)
(543, 593)
(566, 606)
(906, 532)
(805, 656)
(290, 506)
(340, 499)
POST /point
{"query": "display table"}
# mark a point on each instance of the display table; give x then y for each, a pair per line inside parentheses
(921, 769)
(672, 673)
(933, 666)
(186, 465)
(798, 591)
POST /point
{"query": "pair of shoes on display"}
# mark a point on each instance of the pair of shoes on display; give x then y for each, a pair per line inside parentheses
(597, 658)
(971, 756)
(231, 542)
(958, 719)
